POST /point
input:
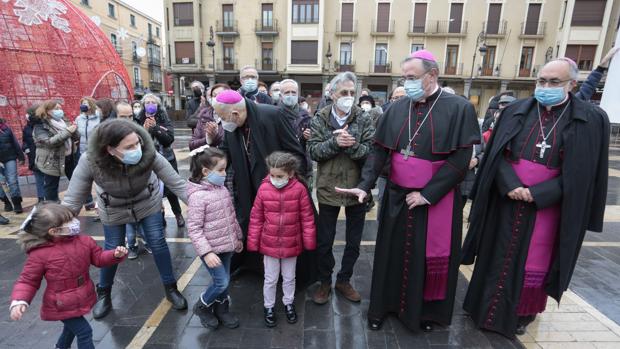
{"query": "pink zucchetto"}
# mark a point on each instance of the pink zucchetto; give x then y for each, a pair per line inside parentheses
(424, 54)
(229, 97)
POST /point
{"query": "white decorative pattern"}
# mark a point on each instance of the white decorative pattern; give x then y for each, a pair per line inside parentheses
(96, 20)
(122, 33)
(35, 12)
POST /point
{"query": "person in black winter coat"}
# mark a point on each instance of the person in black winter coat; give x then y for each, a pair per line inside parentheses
(10, 152)
(29, 148)
(155, 120)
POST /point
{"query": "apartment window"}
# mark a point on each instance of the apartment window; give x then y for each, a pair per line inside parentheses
(114, 41)
(228, 18)
(184, 52)
(381, 63)
(304, 52)
(527, 59)
(533, 16)
(267, 54)
(150, 30)
(111, 10)
(305, 11)
(183, 13)
(155, 75)
(134, 50)
(583, 55)
(346, 18)
(229, 55)
(267, 16)
(383, 17)
(132, 20)
(493, 19)
(85, 2)
(588, 13)
(456, 17)
(488, 61)
(157, 31)
(417, 47)
(419, 17)
(452, 55)
(345, 53)
(200, 15)
(136, 77)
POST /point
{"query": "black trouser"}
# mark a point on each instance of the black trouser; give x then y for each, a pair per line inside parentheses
(172, 199)
(50, 186)
(326, 232)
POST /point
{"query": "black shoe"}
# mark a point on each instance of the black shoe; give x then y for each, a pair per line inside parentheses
(522, 323)
(270, 317)
(104, 302)
(180, 221)
(3, 220)
(8, 207)
(375, 324)
(17, 204)
(205, 313)
(175, 297)
(291, 314)
(223, 314)
(426, 326)
(133, 253)
(40, 199)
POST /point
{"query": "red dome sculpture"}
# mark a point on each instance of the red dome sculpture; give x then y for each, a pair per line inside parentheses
(50, 50)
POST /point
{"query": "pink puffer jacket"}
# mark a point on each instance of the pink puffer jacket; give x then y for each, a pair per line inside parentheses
(282, 221)
(211, 222)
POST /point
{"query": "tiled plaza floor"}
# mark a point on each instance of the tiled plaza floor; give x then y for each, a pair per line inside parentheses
(587, 318)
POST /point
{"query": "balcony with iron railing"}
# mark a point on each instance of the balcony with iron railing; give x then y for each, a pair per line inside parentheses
(532, 30)
(135, 58)
(346, 28)
(262, 27)
(495, 29)
(138, 84)
(447, 28)
(154, 60)
(380, 67)
(266, 64)
(155, 86)
(227, 65)
(526, 72)
(450, 69)
(382, 28)
(119, 49)
(226, 28)
(489, 70)
(347, 66)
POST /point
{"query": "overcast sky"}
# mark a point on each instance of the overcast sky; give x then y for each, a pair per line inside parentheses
(153, 8)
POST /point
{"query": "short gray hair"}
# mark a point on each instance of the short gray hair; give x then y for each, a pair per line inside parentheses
(290, 81)
(247, 67)
(274, 83)
(150, 96)
(197, 83)
(340, 79)
(427, 64)
(573, 70)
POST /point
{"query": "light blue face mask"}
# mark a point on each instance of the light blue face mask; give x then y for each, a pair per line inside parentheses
(58, 114)
(250, 85)
(414, 89)
(132, 157)
(290, 101)
(216, 179)
(549, 95)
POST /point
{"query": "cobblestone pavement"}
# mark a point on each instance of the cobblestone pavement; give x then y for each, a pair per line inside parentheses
(587, 318)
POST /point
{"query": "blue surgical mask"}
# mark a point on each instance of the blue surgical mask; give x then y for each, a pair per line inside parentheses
(290, 101)
(132, 157)
(216, 179)
(229, 126)
(58, 114)
(414, 89)
(250, 85)
(549, 95)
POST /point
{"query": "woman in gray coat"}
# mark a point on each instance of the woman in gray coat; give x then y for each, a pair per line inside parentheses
(122, 162)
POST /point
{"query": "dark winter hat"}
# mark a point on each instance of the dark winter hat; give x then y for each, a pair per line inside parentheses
(366, 99)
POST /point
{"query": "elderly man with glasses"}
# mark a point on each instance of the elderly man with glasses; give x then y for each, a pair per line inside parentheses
(542, 183)
(427, 137)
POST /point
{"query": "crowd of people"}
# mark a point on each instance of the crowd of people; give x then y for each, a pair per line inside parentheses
(537, 166)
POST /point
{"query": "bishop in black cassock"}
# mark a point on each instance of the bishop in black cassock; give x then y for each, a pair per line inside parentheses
(428, 139)
(542, 183)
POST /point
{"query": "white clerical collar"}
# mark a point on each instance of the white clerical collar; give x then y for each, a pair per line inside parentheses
(340, 120)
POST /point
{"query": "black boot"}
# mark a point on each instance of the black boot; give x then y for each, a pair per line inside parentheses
(104, 302)
(205, 313)
(522, 323)
(374, 323)
(8, 207)
(3, 220)
(291, 314)
(175, 297)
(270, 317)
(222, 313)
(17, 204)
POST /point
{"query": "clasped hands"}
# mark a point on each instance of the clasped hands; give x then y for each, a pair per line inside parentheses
(521, 194)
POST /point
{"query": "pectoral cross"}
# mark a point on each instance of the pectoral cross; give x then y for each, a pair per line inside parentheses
(407, 152)
(543, 146)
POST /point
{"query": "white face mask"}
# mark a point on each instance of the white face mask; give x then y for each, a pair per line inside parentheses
(229, 126)
(345, 103)
(366, 107)
(275, 95)
(136, 111)
(278, 183)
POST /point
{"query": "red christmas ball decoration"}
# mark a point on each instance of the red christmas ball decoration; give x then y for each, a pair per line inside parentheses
(50, 50)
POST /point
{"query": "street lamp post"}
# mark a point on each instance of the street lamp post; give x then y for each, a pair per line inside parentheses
(211, 44)
(480, 40)
(328, 55)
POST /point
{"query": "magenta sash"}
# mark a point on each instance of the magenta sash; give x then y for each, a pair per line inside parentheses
(415, 173)
(533, 297)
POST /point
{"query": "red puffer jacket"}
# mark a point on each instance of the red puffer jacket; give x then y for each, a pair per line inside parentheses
(64, 263)
(282, 221)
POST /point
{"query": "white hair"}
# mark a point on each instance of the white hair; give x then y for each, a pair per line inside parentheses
(223, 108)
(150, 96)
(573, 70)
(340, 79)
(290, 81)
(197, 83)
(448, 89)
(247, 67)
(273, 84)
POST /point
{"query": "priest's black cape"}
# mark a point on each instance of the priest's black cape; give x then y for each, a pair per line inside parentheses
(454, 129)
(583, 190)
(270, 131)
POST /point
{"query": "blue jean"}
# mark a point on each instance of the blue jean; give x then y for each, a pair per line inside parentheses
(10, 173)
(76, 327)
(133, 229)
(39, 179)
(218, 290)
(50, 185)
(153, 230)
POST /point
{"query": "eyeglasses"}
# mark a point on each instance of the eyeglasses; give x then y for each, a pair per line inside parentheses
(345, 93)
(551, 82)
(411, 78)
